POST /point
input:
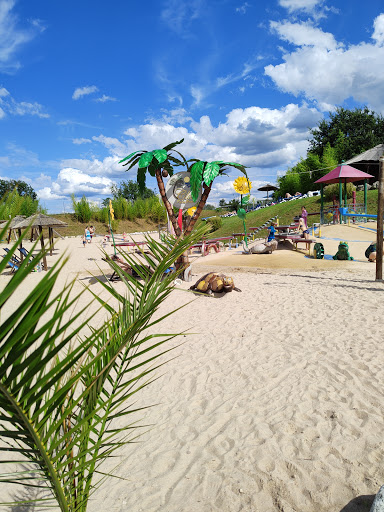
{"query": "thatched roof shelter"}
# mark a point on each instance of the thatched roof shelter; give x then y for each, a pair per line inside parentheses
(40, 221)
(13, 222)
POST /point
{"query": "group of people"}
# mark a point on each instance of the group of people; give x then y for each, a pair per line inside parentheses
(89, 233)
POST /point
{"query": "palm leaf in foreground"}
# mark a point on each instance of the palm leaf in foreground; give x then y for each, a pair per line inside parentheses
(66, 398)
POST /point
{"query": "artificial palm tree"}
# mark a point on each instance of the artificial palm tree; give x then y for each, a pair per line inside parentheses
(65, 392)
(161, 162)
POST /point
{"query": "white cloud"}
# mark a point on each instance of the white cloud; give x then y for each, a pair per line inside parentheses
(27, 109)
(10, 106)
(107, 167)
(84, 91)
(328, 73)
(378, 30)
(105, 98)
(198, 94)
(115, 146)
(179, 14)
(81, 140)
(12, 36)
(47, 194)
(304, 5)
(242, 9)
(74, 181)
(176, 115)
(304, 34)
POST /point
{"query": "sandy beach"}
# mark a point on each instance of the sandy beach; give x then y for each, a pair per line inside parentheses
(275, 403)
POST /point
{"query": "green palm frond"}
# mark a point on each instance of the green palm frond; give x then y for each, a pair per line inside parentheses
(67, 398)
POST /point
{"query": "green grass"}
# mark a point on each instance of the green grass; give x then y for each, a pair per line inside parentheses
(286, 212)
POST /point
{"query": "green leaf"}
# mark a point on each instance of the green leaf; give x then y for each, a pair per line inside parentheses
(146, 159)
(160, 155)
(196, 178)
(245, 199)
(173, 144)
(210, 172)
(241, 213)
(141, 175)
(129, 156)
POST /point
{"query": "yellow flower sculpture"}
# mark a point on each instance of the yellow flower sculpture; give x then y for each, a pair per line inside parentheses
(111, 210)
(191, 211)
(242, 185)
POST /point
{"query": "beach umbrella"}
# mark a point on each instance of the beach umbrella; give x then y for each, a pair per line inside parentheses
(344, 173)
(267, 188)
(40, 221)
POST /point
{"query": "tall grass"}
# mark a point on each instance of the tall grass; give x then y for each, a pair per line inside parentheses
(150, 209)
(13, 204)
(82, 209)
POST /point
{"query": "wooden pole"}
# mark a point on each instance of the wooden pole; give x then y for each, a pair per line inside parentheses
(50, 240)
(43, 248)
(380, 213)
(365, 196)
(21, 244)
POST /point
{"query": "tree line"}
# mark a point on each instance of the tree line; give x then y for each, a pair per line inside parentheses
(345, 134)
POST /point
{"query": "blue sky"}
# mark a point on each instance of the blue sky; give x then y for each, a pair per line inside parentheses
(82, 84)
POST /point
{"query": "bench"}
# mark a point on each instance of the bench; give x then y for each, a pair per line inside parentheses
(214, 243)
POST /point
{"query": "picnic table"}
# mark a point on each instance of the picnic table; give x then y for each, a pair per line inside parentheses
(295, 238)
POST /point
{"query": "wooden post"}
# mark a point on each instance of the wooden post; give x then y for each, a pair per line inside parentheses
(43, 248)
(50, 240)
(380, 213)
(340, 198)
(321, 203)
(21, 244)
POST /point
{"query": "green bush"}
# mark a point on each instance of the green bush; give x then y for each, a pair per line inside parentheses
(215, 223)
(333, 190)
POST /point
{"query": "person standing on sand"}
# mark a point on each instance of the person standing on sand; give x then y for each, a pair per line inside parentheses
(92, 232)
(303, 228)
(87, 235)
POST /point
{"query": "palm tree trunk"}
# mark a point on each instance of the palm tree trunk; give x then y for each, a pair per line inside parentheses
(167, 204)
(199, 209)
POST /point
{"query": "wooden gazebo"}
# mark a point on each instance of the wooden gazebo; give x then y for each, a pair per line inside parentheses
(41, 221)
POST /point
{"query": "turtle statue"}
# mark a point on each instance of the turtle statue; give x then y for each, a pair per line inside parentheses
(343, 252)
(261, 247)
(214, 283)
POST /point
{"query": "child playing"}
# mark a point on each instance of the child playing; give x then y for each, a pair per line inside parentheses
(271, 232)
